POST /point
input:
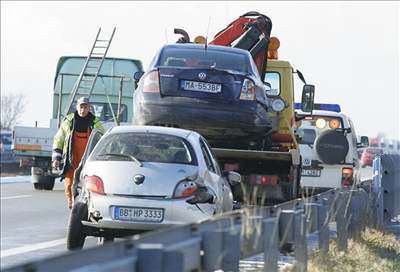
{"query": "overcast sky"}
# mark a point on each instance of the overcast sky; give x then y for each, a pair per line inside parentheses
(350, 51)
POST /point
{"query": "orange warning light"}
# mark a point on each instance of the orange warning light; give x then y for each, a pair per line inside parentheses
(273, 46)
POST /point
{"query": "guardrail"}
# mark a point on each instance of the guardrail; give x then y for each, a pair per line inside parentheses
(220, 242)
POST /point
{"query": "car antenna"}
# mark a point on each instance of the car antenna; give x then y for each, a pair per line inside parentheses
(166, 36)
(208, 30)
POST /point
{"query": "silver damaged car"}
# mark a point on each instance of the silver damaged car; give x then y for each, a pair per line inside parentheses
(141, 178)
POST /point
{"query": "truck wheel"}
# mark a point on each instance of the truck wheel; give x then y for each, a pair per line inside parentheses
(42, 182)
(75, 233)
(49, 185)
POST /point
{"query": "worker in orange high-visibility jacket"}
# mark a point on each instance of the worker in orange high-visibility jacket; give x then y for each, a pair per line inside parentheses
(70, 142)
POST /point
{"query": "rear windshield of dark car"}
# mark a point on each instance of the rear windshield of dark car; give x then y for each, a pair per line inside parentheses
(204, 58)
(145, 147)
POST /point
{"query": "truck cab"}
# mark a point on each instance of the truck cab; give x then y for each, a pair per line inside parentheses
(279, 74)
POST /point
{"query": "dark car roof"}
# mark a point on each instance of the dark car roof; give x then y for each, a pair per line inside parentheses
(209, 47)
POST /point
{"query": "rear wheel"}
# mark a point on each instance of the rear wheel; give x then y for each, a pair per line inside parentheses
(75, 233)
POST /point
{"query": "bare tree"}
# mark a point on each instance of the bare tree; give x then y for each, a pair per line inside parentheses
(12, 108)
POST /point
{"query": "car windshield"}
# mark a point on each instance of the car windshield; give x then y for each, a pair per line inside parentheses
(144, 147)
(201, 58)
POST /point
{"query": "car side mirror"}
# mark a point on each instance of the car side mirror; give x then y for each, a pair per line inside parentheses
(137, 76)
(233, 177)
(307, 98)
(364, 142)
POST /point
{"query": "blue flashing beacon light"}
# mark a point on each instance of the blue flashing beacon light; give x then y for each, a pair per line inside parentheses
(317, 106)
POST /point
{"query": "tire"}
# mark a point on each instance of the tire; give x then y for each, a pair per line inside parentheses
(332, 147)
(38, 186)
(43, 182)
(75, 233)
(50, 185)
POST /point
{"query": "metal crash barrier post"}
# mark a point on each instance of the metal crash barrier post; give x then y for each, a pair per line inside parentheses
(271, 243)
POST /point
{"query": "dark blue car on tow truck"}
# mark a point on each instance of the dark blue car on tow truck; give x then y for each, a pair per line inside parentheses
(214, 90)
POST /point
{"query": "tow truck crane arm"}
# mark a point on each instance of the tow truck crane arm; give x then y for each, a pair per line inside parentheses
(251, 32)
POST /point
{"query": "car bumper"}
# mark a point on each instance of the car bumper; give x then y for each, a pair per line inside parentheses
(213, 120)
(176, 212)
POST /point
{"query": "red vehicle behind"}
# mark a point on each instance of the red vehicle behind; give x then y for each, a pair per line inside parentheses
(369, 154)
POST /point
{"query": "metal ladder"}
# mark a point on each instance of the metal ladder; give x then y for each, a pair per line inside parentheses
(87, 78)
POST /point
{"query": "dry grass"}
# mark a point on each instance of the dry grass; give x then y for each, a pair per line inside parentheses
(374, 251)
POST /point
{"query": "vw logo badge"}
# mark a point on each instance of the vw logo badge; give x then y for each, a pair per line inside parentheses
(138, 179)
(202, 76)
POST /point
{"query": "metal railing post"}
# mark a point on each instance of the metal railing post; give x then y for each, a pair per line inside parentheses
(172, 262)
(271, 244)
(231, 253)
(150, 258)
(300, 240)
(311, 213)
(212, 245)
(323, 226)
(377, 192)
(341, 222)
(358, 212)
(286, 219)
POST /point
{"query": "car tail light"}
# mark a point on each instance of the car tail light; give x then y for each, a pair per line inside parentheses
(248, 91)
(185, 189)
(151, 83)
(347, 177)
(95, 184)
(264, 180)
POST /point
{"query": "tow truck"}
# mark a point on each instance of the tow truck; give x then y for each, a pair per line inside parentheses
(270, 173)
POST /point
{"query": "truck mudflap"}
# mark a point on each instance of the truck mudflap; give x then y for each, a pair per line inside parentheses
(236, 154)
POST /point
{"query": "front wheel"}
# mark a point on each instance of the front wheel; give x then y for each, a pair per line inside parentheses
(75, 233)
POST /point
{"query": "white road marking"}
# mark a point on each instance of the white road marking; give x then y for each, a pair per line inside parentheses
(28, 248)
(14, 197)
